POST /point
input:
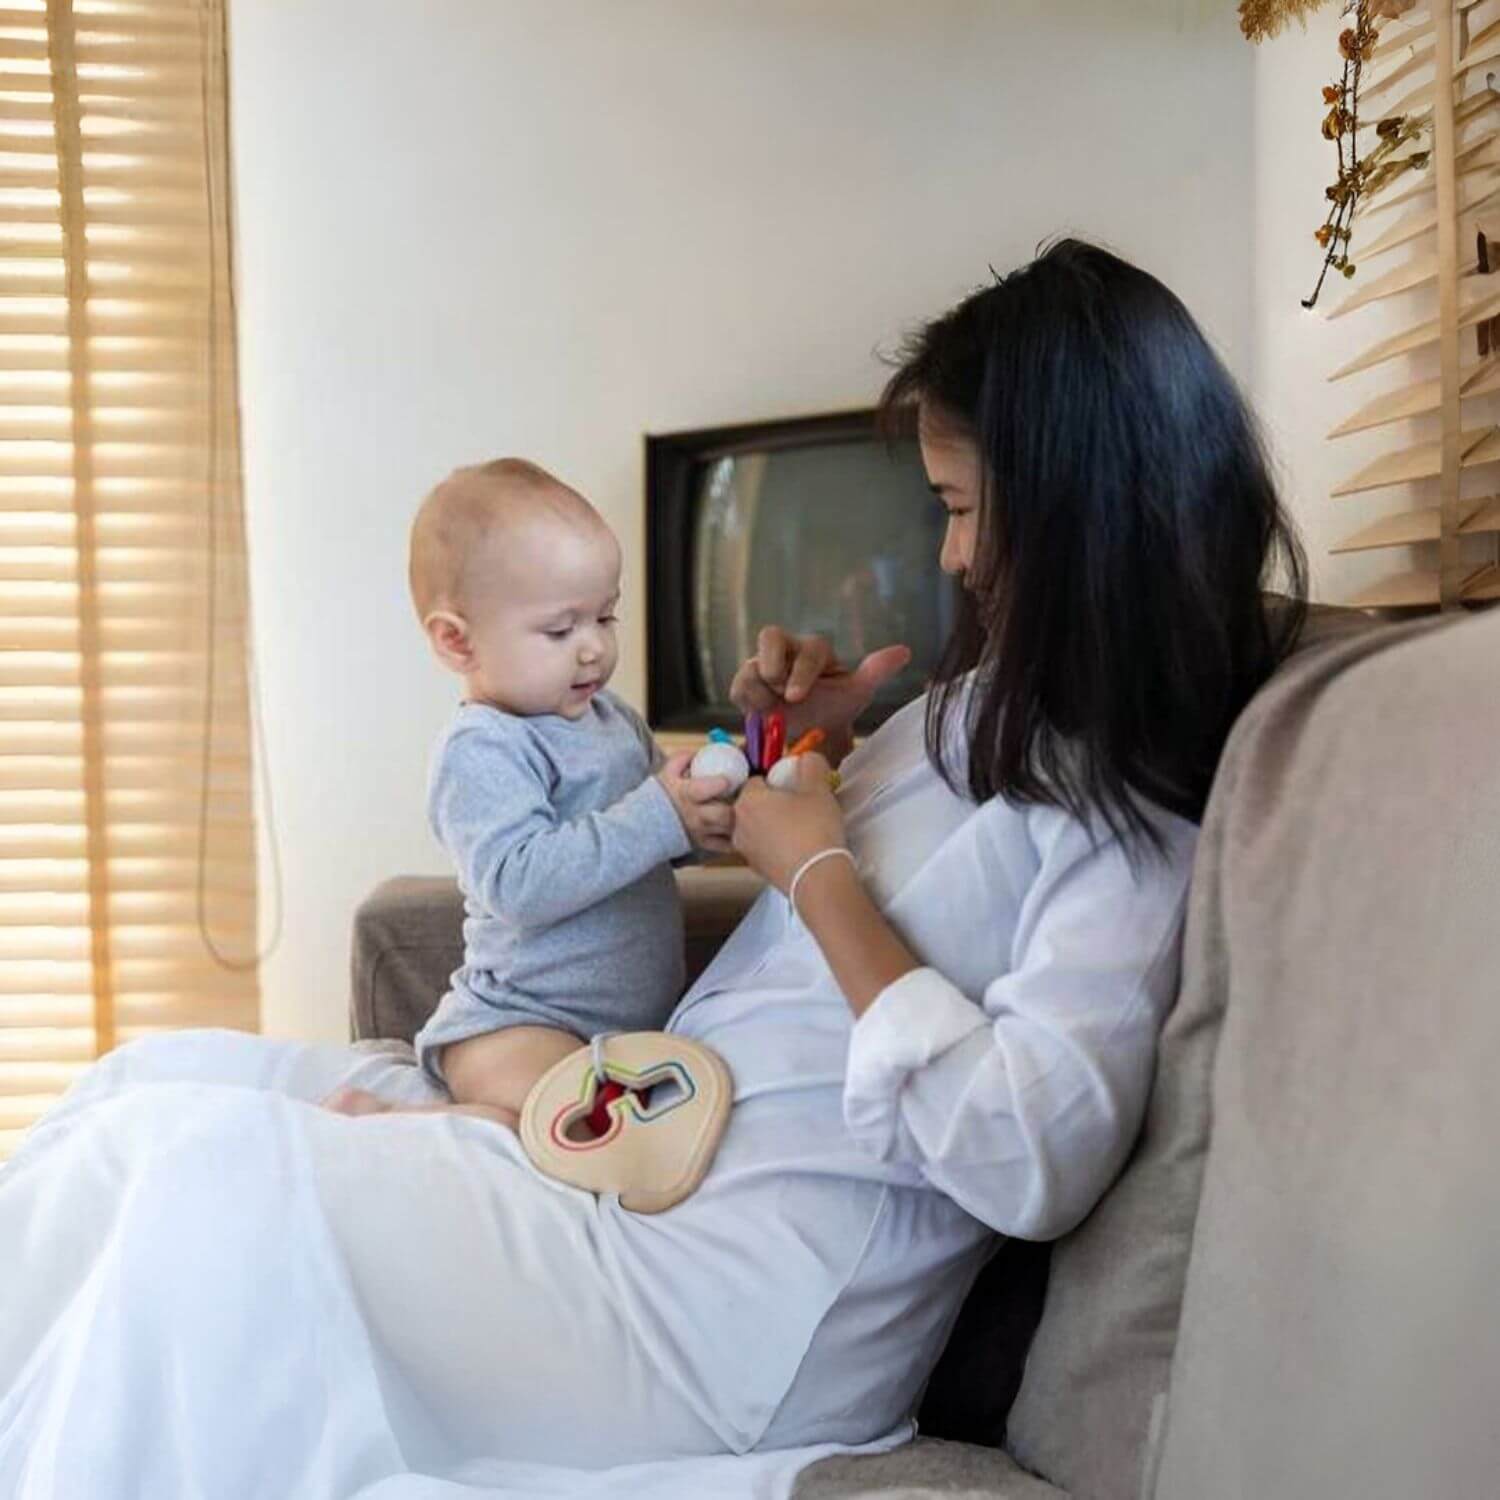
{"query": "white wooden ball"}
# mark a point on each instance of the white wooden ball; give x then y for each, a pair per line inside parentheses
(719, 759)
(783, 775)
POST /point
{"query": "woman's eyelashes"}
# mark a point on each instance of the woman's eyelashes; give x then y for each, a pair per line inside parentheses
(952, 505)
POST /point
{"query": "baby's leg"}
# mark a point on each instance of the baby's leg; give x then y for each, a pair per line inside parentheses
(353, 1101)
(499, 1069)
(489, 1075)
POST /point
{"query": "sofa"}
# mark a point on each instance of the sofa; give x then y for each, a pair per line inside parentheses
(1289, 1291)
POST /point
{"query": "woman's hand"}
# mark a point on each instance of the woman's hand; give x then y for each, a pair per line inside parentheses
(801, 675)
(776, 831)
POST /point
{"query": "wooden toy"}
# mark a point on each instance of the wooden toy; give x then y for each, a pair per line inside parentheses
(775, 742)
(812, 740)
(644, 1123)
(783, 774)
(754, 739)
(722, 758)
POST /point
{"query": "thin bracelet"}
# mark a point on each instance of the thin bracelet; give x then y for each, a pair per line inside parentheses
(836, 851)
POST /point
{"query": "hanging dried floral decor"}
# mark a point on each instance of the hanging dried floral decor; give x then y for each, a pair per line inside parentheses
(1260, 19)
(1384, 162)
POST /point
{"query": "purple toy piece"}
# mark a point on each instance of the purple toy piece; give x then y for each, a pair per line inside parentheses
(755, 733)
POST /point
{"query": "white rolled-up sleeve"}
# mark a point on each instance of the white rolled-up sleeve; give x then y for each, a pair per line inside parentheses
(1022, 1102)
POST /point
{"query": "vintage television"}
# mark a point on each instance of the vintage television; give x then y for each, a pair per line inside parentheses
(822, 524)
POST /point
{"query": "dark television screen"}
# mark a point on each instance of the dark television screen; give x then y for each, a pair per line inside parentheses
(820, 524)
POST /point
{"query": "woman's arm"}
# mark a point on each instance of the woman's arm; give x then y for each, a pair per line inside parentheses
(862, 949)
(1023, 1106)
(1019, 1103)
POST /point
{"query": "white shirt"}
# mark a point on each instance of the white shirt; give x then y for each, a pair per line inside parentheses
(999, 1085)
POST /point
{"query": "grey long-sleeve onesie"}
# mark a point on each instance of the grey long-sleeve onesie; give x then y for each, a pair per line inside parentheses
(561, 836)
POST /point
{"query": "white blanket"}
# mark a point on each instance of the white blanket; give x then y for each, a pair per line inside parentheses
(207, 1290)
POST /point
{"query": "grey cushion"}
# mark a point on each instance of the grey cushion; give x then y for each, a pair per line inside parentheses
(924, 1470)
(1099, 1362)
(1339, 1333)
(408, 940)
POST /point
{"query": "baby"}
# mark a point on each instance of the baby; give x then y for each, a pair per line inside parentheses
(547, 791)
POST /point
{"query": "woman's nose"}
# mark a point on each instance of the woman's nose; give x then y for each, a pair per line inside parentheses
(951, 559)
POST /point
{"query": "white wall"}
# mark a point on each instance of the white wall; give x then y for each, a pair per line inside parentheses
(469, 227)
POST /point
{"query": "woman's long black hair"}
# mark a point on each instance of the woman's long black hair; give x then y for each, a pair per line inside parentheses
(1114, 617)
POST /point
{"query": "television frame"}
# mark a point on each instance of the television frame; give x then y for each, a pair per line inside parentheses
(671, 459)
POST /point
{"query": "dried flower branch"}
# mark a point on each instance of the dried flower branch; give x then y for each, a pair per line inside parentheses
(1357, 176)
(1260, 19)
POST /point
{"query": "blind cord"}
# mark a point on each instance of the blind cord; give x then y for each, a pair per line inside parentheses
(213, 52)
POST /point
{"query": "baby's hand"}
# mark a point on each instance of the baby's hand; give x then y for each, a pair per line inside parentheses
(709, 822)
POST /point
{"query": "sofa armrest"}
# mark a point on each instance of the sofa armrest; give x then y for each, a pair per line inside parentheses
(408, 940)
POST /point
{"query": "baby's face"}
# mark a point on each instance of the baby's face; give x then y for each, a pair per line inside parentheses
(542, 627)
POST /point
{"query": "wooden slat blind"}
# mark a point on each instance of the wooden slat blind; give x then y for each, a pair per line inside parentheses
(127, 848)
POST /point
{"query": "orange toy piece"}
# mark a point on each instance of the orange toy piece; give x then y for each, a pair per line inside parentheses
(809, 742)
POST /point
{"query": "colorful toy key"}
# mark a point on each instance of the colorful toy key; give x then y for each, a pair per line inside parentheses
(809, 742)
(754, 740)
(782, 776)
(598, 1118)
(775, 739)
(647, 1132)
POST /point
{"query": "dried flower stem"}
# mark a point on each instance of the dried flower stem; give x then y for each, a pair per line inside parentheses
(1357, 176)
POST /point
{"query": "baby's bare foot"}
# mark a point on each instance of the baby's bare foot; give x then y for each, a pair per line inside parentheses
(352, 1101)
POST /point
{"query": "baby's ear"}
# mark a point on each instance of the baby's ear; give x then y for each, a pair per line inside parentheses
(448, 635)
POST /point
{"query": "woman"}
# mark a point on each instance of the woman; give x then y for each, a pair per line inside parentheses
(951, 1033)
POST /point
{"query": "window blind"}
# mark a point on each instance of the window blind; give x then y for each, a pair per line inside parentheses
(127, 847)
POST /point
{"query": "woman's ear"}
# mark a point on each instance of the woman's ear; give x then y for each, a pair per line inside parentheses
(448, 634)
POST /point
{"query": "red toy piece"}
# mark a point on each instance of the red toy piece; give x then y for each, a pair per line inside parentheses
(775, 739)
(599, 1116)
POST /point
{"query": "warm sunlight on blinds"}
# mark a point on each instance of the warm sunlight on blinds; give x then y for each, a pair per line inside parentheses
(127, 851)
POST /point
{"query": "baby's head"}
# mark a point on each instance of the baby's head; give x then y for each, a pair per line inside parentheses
(515, 578)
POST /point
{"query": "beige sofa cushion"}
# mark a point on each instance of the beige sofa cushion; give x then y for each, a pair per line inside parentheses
(1098, 1366)
(924, 1470)
(1340, 1334)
